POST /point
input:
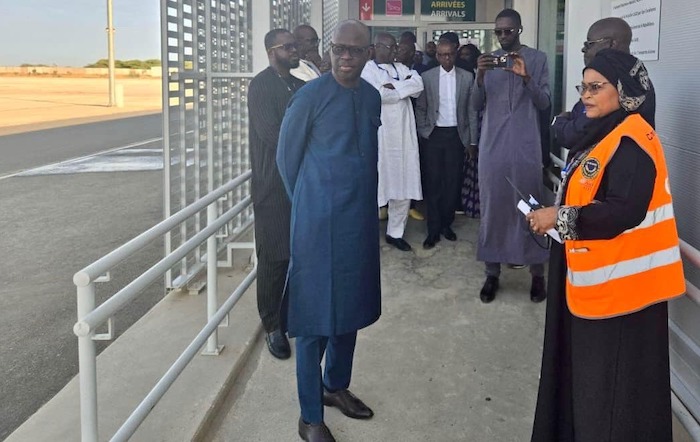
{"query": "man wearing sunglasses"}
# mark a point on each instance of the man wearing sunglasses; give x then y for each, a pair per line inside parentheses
(327, 158)
(511, 99)
(607, 33)
(309, 58)
(268, 96)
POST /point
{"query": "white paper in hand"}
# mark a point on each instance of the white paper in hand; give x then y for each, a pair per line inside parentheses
(525, 209)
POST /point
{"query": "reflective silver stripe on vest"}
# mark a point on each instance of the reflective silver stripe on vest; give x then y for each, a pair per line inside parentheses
(624, 268)
(658, 215)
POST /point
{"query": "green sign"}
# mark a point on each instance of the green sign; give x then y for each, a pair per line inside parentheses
(449, 10)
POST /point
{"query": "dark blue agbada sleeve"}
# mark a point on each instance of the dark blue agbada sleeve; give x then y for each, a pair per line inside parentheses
(294, 134)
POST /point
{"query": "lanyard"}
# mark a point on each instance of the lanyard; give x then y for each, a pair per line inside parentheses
(392, 65)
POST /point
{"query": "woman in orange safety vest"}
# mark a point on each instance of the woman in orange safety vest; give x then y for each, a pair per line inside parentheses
(605, 367)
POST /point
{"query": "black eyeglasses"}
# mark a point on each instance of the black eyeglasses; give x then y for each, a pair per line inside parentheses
(287, 47)
(389, 47)
(506, 32)
(354, 51)
(588, 43)
(594, 87)
(311, 41)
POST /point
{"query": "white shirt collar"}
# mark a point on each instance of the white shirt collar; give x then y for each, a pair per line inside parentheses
(444, 72)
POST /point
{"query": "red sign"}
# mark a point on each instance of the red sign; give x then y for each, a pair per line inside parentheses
(366, 9)
(394, 7)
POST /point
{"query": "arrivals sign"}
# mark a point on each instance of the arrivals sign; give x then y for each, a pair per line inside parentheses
(431, 10)
(448, 10)
(643, 17)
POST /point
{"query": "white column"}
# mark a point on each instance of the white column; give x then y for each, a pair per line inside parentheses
(348, 9)
(261, 26)
(529, 12)
(316, 21)
(580, 15)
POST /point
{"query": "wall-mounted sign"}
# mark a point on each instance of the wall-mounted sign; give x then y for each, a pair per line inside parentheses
(643, 16)
(394, 8)
(366, 9)
(431, 10)
(448, 10)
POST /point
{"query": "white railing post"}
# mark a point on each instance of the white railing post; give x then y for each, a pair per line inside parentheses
(87, 360)
(212, 348)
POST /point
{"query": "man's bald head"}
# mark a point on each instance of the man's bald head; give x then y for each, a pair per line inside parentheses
(353, 29)
(307, 42)
(610, 32)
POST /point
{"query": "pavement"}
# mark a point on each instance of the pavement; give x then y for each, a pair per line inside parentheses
(438, 366)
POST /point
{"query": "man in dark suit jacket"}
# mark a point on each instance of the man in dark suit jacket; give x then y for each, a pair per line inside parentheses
(268, 96)
(445, 119)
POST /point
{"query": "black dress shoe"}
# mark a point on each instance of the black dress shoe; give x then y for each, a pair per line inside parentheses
(314, 433)
(278, 344)
(488, 291)
(348, 404)
(399, 243)
(538, 292)
(449, 234)
(430, 241)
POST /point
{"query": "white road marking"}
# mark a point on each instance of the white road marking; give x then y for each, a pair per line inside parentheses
(73, 160)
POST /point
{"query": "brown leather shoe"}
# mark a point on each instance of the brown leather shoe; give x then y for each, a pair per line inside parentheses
(348, 404)
(314, 433)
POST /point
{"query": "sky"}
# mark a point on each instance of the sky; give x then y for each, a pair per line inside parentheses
(72, 32)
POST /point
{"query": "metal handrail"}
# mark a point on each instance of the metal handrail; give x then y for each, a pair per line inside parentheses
(116, 302)
(98, 268)
(142, 411)
(90, 317)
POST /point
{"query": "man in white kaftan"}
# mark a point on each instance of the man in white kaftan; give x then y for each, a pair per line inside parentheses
(399, 166)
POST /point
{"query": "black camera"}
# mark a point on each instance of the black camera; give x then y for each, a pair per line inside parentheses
(503, 61)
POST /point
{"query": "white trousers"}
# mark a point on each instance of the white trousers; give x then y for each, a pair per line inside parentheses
(398, 215)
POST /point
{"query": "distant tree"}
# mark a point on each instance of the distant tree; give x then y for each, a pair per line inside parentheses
(126, 64)
(31, 65)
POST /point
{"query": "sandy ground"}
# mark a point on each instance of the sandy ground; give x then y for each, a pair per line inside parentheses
(33, 103)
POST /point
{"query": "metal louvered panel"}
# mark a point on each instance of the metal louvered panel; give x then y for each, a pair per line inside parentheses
(207, 55)
(330, 21)
(288, 14)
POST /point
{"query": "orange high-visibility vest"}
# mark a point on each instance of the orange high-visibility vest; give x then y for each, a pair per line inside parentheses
(641, 266)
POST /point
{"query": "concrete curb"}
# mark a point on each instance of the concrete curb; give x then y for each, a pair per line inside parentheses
(130, 367)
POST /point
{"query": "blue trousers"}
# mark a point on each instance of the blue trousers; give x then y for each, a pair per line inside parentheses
(339, 352)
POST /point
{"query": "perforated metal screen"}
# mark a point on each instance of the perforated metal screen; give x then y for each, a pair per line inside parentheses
(288, 14)
(207, 59)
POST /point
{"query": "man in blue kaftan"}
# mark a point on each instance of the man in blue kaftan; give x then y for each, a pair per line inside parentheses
(327, 158)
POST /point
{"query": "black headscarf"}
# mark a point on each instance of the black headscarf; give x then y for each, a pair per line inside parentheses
(636, 92)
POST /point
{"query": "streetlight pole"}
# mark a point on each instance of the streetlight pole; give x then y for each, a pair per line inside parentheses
(110, 55)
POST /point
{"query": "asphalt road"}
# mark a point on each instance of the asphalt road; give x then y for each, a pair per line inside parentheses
(32, 149)
(52, 226)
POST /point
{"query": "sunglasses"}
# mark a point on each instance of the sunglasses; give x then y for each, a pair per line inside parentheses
(287, 47)
(391, 48)
(593, 88)
(354, 51)
(588, 43)
(505, 32)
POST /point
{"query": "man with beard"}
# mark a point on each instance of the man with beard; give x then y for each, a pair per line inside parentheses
(430, 54)
(309, 58)
(327, 157)
(399, 166)
(511, 99)
(268, 96)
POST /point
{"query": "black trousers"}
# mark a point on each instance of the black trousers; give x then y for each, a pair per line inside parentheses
(270, 287)
(444, 159)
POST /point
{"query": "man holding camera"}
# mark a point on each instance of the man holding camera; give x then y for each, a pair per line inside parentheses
(512, 87)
